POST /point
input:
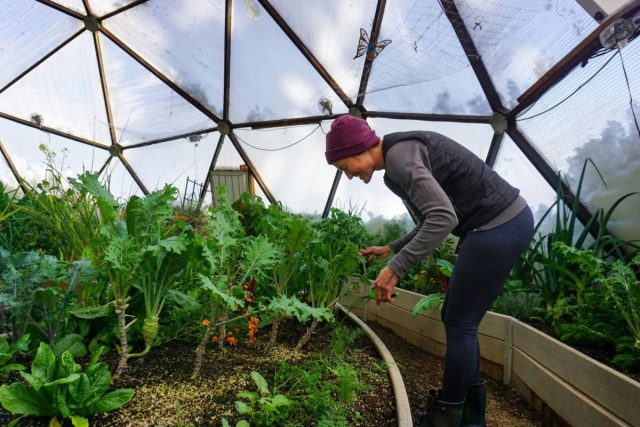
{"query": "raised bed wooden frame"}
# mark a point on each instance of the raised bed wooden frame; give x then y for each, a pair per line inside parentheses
(562, 384)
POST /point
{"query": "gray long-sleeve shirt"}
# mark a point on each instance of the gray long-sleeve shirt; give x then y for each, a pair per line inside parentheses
(407, 163)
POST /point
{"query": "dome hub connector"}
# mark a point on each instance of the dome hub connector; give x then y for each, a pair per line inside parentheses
(91, 23)
(224, 128)
(115, 150)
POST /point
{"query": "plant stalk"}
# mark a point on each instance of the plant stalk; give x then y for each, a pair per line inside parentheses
(201, 349)
(307, 336)
(121, 306)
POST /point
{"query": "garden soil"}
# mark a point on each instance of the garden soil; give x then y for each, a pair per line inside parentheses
(422, 371)
(164, 377)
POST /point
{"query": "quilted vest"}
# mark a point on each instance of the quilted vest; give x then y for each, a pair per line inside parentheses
(477, 192)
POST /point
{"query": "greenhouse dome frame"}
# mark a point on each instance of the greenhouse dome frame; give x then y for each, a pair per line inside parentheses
(476, 31)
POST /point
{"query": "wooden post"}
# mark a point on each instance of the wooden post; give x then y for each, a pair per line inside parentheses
(508, 352)
(251, 188)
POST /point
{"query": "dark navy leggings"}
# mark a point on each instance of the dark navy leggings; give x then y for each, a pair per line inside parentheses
(481, 268)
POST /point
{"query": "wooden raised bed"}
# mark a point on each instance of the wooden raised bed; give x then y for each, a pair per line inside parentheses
(561, 383)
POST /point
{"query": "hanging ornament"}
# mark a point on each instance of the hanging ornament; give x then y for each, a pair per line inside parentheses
(370, 49)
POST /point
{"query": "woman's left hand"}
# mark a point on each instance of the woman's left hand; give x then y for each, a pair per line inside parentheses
(384, 283)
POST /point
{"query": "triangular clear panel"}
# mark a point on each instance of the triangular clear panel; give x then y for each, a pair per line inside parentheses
(31, 149)
(476, 137)
(6, 175)
(291, 162)
(368, 200)
(75, 5)
(520, 40)
(595, 122)
(144, 108)
(119, 181)
(24, 39)
(184, 40)
(423, 68)
(259, 193)
(514, 166)
(270, 78)
(582, 111)
(63, 93)
(228, 159)
(331, 31)
(102, 7)
(182, 163)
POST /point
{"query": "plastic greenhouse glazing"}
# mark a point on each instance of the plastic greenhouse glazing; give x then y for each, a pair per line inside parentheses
(154, 92)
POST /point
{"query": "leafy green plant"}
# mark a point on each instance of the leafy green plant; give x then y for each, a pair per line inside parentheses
(40, 289)
(428, 275)
(435, 299)
(8, 351)
(330, 257)
(23, 275)
(7, 205)
(285, 306)
(134, 251)
(623, 288)
(59, 389)
(521, 305)
(232, 260)
(548, 269)
(241, 423)
(324, 389)
(164, 258)
(428, 302)
(291, 234)
(115, 253)
(627, 355)
(620, 282)
(55, 300)
(179, 416)
(55, 216)
(263, 407)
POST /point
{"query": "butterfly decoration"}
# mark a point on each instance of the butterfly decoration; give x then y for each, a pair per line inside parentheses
(370, 49)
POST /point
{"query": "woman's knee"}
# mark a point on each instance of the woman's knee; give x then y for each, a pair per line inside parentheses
(457, 327)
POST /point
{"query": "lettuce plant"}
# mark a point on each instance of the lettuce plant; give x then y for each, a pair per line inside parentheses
(59, 389)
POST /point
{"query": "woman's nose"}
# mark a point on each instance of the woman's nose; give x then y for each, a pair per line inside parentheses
(348, 175)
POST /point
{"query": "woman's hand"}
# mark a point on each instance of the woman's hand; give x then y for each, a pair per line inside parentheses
(376, 252)
(384, 283)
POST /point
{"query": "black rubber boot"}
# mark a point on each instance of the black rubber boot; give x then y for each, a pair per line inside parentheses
(441, 414)
(475, 406)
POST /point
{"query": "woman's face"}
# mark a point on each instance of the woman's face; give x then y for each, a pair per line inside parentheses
(360, 166)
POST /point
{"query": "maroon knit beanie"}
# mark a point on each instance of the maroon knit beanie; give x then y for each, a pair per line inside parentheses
(349, 136)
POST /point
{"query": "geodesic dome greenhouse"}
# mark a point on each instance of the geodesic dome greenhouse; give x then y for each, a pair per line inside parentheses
(154, 92)
(119, 118)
